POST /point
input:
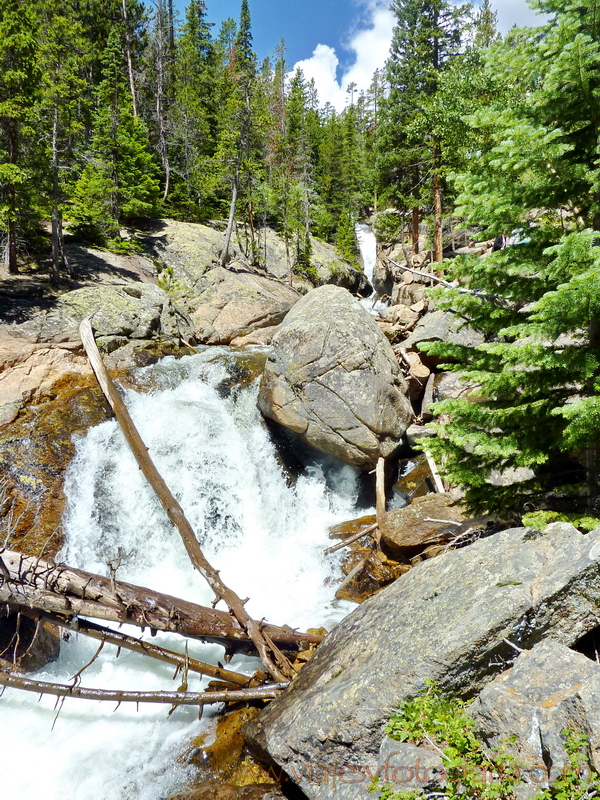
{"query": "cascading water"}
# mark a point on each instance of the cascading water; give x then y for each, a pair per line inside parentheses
(264, 535)
(367, 244)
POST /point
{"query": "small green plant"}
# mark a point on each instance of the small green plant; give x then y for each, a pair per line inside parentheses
(570, 784)
(539, 520)
(167, 280)
(472, 772)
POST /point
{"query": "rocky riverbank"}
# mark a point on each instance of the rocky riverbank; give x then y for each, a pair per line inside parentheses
(481, 612)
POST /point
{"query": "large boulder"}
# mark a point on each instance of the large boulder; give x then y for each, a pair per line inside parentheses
(189, 250)
(228, 305)
(407, 530)
(332, 378)
(525, 710)
(442, 326)
(454, 620)
(120, 312)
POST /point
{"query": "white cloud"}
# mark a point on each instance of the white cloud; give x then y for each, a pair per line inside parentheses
(370, 44)
(516, 12)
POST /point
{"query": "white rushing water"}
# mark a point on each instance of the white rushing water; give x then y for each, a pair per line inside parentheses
(266, 538)
(367, 244)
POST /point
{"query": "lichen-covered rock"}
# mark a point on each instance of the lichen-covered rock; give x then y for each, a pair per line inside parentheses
(229, 305)
(332, 378)
(448, 620)
(131, 310)
(549, 689)
(190, 250)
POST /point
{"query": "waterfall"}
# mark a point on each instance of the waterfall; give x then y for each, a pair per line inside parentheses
(367, 244)
(264, 532)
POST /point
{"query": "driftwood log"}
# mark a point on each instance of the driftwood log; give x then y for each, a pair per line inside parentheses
(173, 698)
(58, 589)
(274, 661)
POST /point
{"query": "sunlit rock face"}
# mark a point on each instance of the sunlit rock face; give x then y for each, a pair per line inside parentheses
(333, 378)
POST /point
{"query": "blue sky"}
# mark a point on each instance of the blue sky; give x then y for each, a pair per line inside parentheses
(336, 41)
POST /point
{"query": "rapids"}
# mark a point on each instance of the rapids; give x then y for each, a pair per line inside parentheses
(265, 532)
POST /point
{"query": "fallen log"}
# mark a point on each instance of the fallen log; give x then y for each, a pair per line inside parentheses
(276, 664)
(58, 589)
(126, 642)
(172, 698)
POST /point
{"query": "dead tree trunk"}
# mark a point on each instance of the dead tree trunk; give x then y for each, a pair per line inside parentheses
(126, 642)
(129, 58)
(437, 206)
(276, 664)
(27, 581)
(172, 698)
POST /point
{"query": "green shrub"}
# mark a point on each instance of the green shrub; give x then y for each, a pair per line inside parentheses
(472, 772)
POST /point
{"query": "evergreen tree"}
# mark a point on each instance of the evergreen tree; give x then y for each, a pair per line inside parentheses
(120, 180)
(427, 35)
(19, 87)
(63, 56)
(537, 175)
(193, 122)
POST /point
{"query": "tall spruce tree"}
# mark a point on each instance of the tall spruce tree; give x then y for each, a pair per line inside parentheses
(120, 180)
(537, 175)
(63, 55)
(427, 35)
(20, 80)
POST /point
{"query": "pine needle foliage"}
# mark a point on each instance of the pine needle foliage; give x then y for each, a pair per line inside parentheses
(536, 176)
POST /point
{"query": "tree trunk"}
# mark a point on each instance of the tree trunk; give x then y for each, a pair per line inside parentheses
(224, 259)
(58, 253)
(415, 231)
(11, 196)
(58, 589)
(160, 95)
(129, 58)
(273, 660)
(437, 206)
(116, 696)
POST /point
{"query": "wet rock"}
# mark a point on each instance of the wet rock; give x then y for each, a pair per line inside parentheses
(35, 451)
(367, 571)
(229, 305)
(333, 379)
(25, 645)
(447, 620)
(229, 791)
(526, 710)
(226, 771)
(407, 529)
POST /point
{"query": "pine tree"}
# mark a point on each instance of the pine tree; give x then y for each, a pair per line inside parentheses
(237, 131)
(120, 180)
(537, 175)
(193, 117)
(427, 35)
(19, 88)
(63, 56)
